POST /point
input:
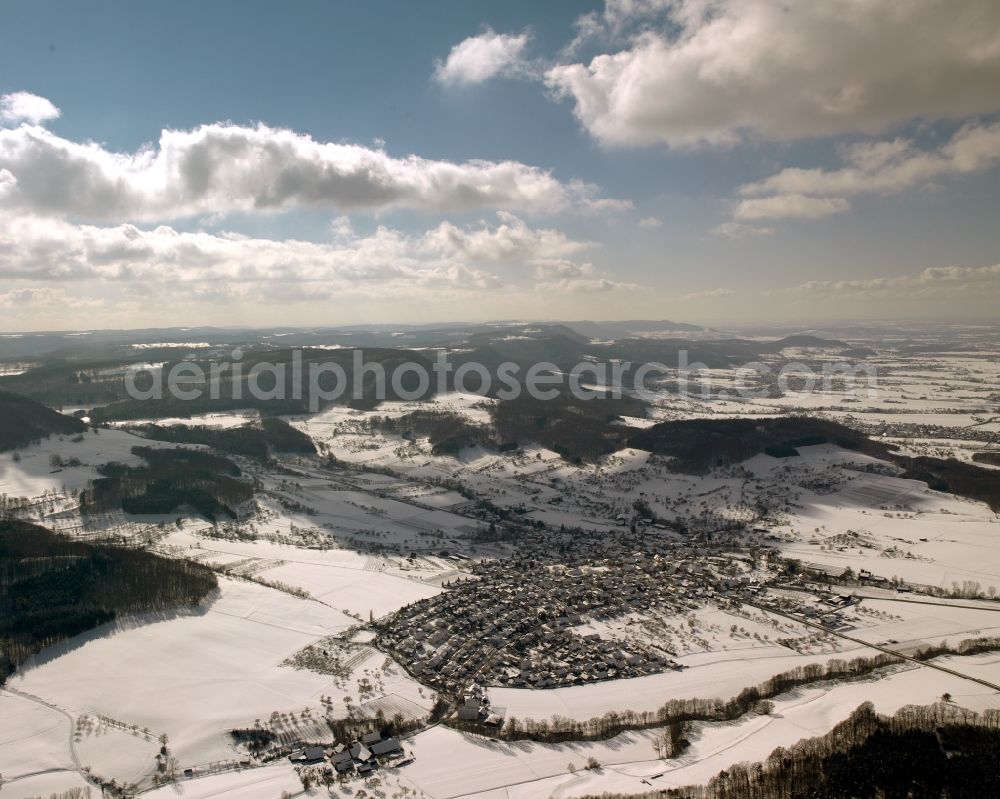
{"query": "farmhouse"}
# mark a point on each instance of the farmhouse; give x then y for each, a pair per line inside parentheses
(360, 752)
(390, 746)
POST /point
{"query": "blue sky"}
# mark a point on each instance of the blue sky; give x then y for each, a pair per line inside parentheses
(642, 171)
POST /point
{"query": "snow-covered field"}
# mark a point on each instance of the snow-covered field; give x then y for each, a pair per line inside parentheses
(33, 738)
(449, 764)
(33, 473)
(329, 548)
(270, 782)
(196, 676)
(800, 714)
(709, 675)
(922, 536)
(339, 578)
(45, 785)
(222, 421)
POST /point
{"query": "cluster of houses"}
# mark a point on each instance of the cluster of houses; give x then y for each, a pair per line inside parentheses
(817, 605)
(865, 576)
(476, 707)
(701, 537)
(361, 756)
(516, 622)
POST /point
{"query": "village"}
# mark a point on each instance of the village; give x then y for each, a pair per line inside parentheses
(513, 622)
(505, 601)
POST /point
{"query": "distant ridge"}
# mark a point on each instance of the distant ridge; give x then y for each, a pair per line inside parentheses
(631, 327)
(807, 341)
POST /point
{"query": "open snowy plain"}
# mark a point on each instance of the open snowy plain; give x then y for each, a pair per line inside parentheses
(327, 550)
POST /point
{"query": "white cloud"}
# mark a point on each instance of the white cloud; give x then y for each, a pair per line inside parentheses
(479, 58)
(935, 282)
(161, 273)
(616, 19)
(564, 276)
(384, 264)
(341, 227)
(710, 294)
(598, 205)
(223, 168)
(790, 206)
(8, 183)
(714, 71)
(887, 167)
(26, 107)
(734, 230)
(562, 269)
(871, 167)
(511, 240)
(33, 296)
(649, 222)
(586, 286)
(961, 274)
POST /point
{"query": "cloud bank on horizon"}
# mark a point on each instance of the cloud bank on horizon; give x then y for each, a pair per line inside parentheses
(52, 189)
(852, 102)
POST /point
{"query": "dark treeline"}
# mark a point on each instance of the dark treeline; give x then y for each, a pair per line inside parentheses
(283, 388)
(954, 477)
(173, 478)
(100, 383)
(697, 445)
(934, 752)
(448, 432)
(254, 440)
(282, 437)
(171, 407)
(179, 458)
(262, 740)
(560, 729)
(23, 421)
(990, 458)
(255, 739)
(52, 588)
(578, 429)
(60, 381)
(971, 646)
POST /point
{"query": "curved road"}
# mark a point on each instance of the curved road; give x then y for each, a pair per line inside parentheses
(72, 742)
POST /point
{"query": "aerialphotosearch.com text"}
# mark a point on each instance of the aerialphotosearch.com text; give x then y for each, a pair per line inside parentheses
(318, 383)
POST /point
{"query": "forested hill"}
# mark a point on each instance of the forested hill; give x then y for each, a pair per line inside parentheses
(698, 445)
(23, 421)
(259, 439)
(935, 752)
(52, 588)
(172, 479)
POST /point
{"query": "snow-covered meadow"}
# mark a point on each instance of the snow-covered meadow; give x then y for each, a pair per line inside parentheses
(326, 549)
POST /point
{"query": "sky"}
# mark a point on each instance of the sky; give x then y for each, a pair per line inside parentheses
(333, 163)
